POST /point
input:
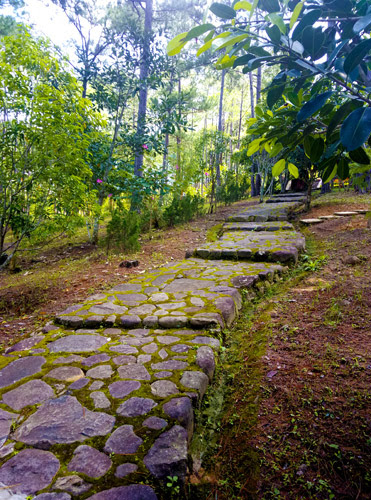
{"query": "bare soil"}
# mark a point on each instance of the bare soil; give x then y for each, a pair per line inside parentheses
(297, 423)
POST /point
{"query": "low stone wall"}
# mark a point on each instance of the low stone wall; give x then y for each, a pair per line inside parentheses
(101, 404)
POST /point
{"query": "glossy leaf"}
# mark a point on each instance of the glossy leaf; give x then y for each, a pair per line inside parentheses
(278, 167)
(359, 155)
(312, 40)
(340, 114)
(343, 168)
(313, 106)
(356, 129)
(316, 149)
(241, 61)
(307, 20)
(356, 56)
(204, 48)
(295, 14)
(243, 5)
(293, 169)
(274, 34)
(175, 43)
(330, 170)
(277, 21)
(223, 11)
(274, 94)
(197, 31)
(269, 5)
(362, 23)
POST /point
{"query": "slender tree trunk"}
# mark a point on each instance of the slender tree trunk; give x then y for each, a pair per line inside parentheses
(143, 75)
(240, 122)
(258, 84)
(252, 102)
(220, 126)
(178, 138)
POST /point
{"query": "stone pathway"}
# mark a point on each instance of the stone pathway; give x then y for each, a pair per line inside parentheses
(100, 405)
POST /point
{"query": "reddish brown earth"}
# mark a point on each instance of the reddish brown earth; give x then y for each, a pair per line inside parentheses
(298, 418)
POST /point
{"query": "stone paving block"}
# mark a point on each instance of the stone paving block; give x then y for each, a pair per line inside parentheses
(266, 212)
(282, 246)
(30, 393)
(89, 461)
(258, 226)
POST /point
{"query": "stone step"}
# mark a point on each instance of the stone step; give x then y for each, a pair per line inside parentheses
(275, 246)
(258, 226)
(266, 212)
(310, 222)
(191, 293)
(329, 217)
(288, 199)
(346, 214)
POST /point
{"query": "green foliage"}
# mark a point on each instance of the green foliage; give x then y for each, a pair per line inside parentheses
(123, 230)
(45, 133)
(322, 88)
(232, 188)
(183, 209)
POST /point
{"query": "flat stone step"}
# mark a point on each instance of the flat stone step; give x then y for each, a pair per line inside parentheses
(288, 199)
(346, 214)
(266, 212)
(329, 217)
(182, 295)
(279, 246)
(258, 226)
(310, 222)
(362, 211)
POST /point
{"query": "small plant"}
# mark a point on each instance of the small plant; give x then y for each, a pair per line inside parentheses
(313, 265)
(173, 484)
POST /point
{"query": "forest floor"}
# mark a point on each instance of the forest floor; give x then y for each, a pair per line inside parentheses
(296, 377)
(70, 269)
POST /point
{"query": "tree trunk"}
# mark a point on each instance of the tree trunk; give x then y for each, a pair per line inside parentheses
(240, 122)
(258, 84)
(220, 125)
(252, 103)
(143, 75)
(178, 138)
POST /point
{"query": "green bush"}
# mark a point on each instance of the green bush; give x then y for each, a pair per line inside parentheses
(232, 190)
(123, 230)
(183, 209)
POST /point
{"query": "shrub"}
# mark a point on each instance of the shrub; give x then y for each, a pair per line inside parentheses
(123, 230)
(183, 209)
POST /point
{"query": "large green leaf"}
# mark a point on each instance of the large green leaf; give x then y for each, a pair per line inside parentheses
(278, 167)
(242, 5)
(274, 34)
(241, 61)
(356, 56)
(307, 20)
(356, 129)
(359, 155)
(329, 171)
(223, 11)
(274, 94)
(312, 40)
(198, 31)
(316, 149)
(293, 169)
(341, 113)
(277, 21)
(269, 5)
(296, 13)
(175, 43)
(343, 168)
(362, 23)
(313, 106)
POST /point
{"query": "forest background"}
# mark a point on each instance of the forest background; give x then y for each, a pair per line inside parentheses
(129, 134)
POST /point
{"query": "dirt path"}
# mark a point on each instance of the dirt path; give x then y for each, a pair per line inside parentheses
(297, 422)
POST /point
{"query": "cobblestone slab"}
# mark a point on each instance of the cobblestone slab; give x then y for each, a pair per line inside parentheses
(275, 246)
(258, 226)
(286, 199)
(192, 293)
(107, 411)
(266, 212)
